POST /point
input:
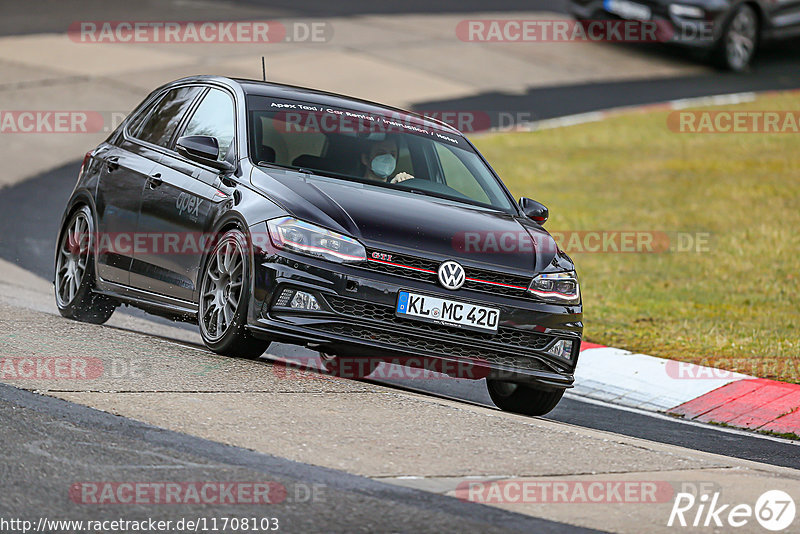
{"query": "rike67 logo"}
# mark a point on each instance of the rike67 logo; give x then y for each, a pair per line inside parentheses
(774, 510)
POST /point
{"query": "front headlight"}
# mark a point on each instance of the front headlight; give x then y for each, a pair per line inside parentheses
(288, 233)
(562, 288)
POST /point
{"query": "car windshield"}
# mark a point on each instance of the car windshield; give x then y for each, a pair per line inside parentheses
(397, 151)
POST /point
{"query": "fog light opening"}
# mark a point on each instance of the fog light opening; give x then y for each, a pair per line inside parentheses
(304, 301)
(562, 349)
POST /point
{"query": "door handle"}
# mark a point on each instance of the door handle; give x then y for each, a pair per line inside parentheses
(154, 180)
(112, 163)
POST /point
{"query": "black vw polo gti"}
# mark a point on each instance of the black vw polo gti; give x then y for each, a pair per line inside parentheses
(266, 212)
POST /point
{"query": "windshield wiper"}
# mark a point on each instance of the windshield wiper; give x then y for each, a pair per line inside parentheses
(304, 170)
(271, 164)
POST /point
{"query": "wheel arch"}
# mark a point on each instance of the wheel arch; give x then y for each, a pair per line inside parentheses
(759, 11)
(78, 199)
(229, 221)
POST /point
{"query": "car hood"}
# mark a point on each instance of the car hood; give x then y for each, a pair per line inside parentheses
(403, 222)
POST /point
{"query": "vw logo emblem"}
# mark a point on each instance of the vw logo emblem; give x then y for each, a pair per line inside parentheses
(451, 275)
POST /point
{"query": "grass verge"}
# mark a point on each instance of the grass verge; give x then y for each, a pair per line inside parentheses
(734, 304)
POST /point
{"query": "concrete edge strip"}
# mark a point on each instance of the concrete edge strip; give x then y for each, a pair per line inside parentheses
(724, 99)
(694, 392)
(276, 466)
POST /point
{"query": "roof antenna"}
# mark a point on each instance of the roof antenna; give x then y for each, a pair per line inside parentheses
(263, 69)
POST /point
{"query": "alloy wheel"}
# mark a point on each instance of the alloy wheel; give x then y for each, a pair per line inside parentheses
(740, 41)
(222, 289)
(73, 254)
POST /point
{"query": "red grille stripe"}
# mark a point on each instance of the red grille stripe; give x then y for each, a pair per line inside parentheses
(496, 283)
(403, 266)
(434, 272)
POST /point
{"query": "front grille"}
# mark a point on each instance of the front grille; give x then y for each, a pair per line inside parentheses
(375, 312)
(425, 270)
(429, 275)
(443, 348)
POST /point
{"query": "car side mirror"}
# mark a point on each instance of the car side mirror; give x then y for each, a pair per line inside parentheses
(534, 210)
(202, 149)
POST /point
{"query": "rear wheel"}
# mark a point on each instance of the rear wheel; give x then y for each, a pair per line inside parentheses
(74, 277)
(224, 298)
(523, 399)
(739, 40)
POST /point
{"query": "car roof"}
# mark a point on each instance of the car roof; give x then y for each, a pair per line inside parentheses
(325, 98)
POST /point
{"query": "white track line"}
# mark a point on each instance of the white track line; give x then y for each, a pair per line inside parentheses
(657, 415)
(597, 116)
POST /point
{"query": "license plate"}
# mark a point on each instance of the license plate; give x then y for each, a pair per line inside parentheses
(447, 312)
(627, 10)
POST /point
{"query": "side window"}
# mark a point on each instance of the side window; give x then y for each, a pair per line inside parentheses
(160, 125)
(215, 117)
(135, 125)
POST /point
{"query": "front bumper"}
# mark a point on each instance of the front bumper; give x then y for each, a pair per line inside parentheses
(357, 318)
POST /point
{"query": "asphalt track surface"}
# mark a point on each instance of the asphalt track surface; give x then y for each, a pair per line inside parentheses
(50, 444)
(776, 67)
(27, 237)
(136, 451)
(42, 16)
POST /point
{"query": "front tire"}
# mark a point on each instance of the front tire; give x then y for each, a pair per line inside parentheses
(74, 276)
(224, 298)
(739, 40)
(523, 399)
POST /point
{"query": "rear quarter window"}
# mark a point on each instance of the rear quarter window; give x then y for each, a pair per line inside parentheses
(163, 118)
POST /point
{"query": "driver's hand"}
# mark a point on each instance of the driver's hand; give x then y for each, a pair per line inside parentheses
(401, 177)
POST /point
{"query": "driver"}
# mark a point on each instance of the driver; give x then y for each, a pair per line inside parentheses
(381, 161)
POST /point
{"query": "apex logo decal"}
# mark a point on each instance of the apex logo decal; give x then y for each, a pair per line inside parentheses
(451, 275)
(190, 204)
